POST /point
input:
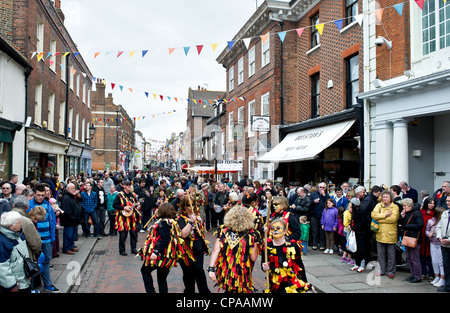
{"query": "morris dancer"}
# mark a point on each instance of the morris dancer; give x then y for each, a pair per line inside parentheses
(285, 274)
(235, 252)
(126, 204)
(162, 249)
(193, 232)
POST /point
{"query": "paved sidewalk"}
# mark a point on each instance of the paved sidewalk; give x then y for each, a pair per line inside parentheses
(326, 272)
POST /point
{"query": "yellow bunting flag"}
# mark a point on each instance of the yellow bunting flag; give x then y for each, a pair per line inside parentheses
(132, 53)
(320, 27)
(214, 46)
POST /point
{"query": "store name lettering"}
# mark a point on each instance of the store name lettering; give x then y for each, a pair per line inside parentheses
(309, 136)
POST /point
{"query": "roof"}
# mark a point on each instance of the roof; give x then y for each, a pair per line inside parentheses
(202, 107)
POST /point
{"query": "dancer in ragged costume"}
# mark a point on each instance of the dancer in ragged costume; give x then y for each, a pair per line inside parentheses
(285, 274)
(162, 249)
(235, 252)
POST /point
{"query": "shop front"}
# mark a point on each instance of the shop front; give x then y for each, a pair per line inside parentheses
(8, 131)
(45, 153)
(73, 159)
(325, 149)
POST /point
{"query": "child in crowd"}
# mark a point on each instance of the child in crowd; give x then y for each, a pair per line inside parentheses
(304, 227)
(346, 221)
(435, 248)
(329, 223)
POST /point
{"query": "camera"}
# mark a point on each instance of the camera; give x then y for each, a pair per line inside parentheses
(444, 237)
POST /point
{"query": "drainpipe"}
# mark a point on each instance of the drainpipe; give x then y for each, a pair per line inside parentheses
(281, 82)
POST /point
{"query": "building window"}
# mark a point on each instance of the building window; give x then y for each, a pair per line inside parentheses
(266, 52)
(352, 79)
(315, 95)
(84, 92)
(51, 112)
(435, 26)
(40, 36)
(351, 10)
(72, 78)
(241, 71)
(315, 36)
(89, 97)
(62, 111)
(78, 85)
(70, 130)
(265, 105)
(231, 78)
(53, 52)
(251, 62)
(240, 120)
(38, 104)
(230, 126)
(251, 112)
(77, 127)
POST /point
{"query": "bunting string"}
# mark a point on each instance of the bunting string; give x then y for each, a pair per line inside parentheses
(230, 44)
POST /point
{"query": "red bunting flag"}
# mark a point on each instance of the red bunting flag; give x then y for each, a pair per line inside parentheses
(119, 54)
(199, 49)
(113, 85)
(420, 3)
(300, 31)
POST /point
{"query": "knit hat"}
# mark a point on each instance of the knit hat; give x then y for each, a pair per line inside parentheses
(52, 200)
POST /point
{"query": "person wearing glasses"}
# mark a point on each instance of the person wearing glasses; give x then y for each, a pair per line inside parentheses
(318, 200)
(7, 194)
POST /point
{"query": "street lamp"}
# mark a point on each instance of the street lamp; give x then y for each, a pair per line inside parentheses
(213, 134)
(92, 130)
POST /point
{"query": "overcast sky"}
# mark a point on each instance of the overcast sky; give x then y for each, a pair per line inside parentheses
(136, 25)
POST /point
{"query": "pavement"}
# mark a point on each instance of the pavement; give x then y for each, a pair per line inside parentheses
(98, 268)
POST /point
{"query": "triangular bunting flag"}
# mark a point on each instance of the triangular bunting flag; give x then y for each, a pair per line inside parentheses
(121, 88)
(146, 94)
(199, 49)
(112, 86)
(420, 3)
(75, 54)
(131, 90)
(132, 53)
(379, 14)
(246, 42)
(230, 44)
(214, 46)
(65, 54)
(119, 53)
(162, 97)
(320, 27)
(73, 71)
(51, 62)
(282, 35)
(359, 18)
(339, 23)
(39, 57)
(144, 52)
(171, 50)
(399, 8)
(33, 54)
(48, 55)
(96, 54)
(300, 31)
(186, 50)
(264, 38)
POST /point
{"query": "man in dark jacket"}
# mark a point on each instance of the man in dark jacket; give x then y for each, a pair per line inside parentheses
(70, 218)
(301, 204)
(148, 204)
(221, 199)
(318, 200)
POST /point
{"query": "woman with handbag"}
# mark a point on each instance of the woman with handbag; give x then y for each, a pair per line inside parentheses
(386, 214)
(410, 227)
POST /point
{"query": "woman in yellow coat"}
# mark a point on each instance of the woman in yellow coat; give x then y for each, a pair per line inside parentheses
(386, 213)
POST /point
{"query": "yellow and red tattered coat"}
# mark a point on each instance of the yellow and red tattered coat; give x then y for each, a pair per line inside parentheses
(124, 223)
(175, 250)
(285, 272)
(234, 266)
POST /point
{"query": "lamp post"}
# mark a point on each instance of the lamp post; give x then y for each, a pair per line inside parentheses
(215, 155)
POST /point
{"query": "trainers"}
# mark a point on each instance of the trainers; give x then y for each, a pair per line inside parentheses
(326, 251)
(350, 261)
(440, 283)
(52, 289)
(344, 260)
(354, 268)
(360, 269)
(435, 280)
(331, 251)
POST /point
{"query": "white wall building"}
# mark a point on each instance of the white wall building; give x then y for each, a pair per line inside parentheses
(409, 115)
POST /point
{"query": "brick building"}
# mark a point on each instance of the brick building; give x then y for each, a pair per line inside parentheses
(114, 139)
(58, 89)
(304, 83)
(199, 111)
(408, 78)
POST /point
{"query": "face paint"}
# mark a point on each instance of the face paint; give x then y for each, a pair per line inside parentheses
(277, 230)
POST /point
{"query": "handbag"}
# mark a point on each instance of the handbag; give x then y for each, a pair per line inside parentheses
(408, 241)
(374, 225)
(30, 266)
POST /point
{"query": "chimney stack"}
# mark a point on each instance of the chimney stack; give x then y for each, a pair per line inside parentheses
(59, 11)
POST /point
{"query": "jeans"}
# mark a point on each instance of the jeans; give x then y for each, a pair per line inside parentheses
(47, 250)
(101, 212)
(446, 260)
(305, 246)
(69, 235)
(94, 218)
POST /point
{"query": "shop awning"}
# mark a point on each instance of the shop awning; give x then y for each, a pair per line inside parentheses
(210, 170)
(306, 144)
